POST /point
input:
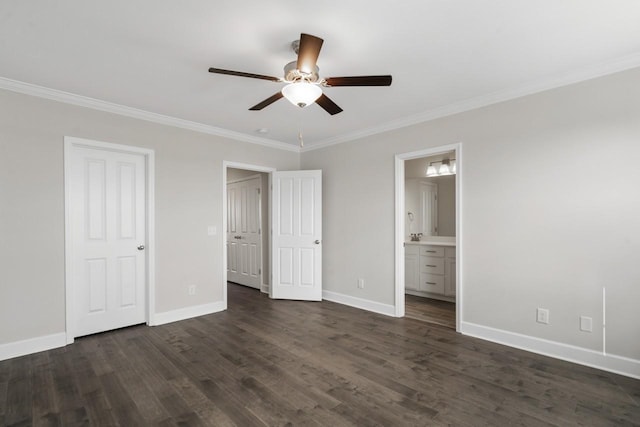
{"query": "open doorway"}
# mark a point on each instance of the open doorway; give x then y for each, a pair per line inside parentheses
(428, 213)
(430, 254)
(246, 221)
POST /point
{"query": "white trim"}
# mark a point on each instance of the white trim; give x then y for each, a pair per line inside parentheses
(399, 309)
(598, 70)
(246, 178)
(246, 166)
(583, 356)
(32, 345)
(123, 110)
(363, 304)
(188, 313)
(264, 288)
(69, 143)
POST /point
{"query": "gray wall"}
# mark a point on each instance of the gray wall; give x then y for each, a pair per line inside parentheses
(188, 199)
(550, 211)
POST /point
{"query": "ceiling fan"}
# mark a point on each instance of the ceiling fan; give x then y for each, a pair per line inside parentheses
(304, 82)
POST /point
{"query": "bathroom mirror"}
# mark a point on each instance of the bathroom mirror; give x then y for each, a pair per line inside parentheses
(430, 201)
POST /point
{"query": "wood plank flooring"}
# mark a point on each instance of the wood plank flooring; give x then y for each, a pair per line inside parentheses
(289, 363)
(429, 310)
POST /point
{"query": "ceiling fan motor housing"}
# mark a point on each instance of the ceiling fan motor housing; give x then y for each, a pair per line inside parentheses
(292, 74)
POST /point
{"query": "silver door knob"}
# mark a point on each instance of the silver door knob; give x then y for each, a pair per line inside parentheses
(317, 242)
(141, 248)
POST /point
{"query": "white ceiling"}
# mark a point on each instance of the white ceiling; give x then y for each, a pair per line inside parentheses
(444, 55)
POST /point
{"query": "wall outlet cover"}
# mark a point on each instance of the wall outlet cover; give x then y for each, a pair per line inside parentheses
(542, 316)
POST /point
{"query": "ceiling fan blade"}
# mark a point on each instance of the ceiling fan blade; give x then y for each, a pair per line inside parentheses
(328, 105)
(267, 102)
(359, 81)
(241, 74)
(308, 52)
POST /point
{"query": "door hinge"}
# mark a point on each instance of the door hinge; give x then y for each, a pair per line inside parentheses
(259, 271)
(258, 191)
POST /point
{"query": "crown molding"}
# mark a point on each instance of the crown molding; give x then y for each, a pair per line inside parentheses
(109, 107)
(599, 70)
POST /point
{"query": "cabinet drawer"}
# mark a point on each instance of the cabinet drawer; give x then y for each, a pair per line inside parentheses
(437, 251)
(450, 252)
(431, 283)
(431, 265)
(411, 250)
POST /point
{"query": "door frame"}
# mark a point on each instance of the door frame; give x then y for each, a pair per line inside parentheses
(70, 143)
(226, 164)
(400, 231)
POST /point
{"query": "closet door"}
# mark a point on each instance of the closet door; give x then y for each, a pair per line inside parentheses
(244, 236)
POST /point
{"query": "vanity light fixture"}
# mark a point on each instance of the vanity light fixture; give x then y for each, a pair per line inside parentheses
(442, 168)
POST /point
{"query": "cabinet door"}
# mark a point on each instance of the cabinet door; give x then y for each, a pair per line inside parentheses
(450, 277)
(411, 268)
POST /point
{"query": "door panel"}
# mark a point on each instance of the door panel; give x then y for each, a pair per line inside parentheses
(429, 208)
(244, 240)
(297, 235)
(107, 196)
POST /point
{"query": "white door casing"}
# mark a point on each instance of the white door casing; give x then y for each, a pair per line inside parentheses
(244, 234)
(106, 203)
(400, 235)
(296, 241)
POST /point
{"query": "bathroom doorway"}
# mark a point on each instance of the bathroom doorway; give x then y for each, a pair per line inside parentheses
(428, 212)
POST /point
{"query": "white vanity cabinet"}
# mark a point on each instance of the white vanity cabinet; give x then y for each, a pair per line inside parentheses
(411, 267)
(450, 272)
(430, 270)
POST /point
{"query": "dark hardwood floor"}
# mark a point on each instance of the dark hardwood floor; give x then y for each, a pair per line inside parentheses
(429, 310)
(272, 363)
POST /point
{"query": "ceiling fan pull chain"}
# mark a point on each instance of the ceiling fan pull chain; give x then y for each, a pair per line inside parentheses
(300, 139)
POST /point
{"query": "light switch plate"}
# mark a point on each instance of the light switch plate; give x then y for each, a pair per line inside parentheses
(212, 230)
(586, 324)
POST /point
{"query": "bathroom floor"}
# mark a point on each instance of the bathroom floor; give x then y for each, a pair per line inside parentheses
(431, 311)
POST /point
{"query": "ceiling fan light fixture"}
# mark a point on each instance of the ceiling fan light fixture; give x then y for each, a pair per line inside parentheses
(302, 93)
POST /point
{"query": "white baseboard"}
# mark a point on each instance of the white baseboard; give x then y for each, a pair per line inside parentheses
(32, 345)
(264, 289)
(364, 304)
(582, 356)
(187, 313)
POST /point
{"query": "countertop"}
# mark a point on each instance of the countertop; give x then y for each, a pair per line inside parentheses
(434, 240)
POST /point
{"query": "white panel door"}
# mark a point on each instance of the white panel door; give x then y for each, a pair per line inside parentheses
(244, 239)
(429, 208)
(106, 191)
(296, 254)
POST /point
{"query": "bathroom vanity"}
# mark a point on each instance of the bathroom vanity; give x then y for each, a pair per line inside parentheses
(430, 268)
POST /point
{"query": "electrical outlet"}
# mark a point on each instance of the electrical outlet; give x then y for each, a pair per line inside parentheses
(586, 324)
(192, 289)
(361, 283)
(543, 316)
